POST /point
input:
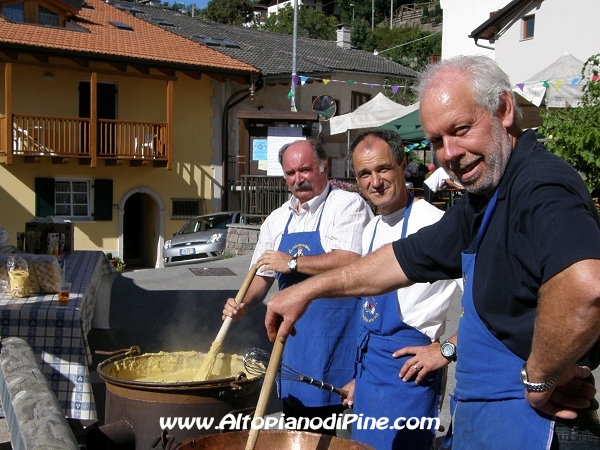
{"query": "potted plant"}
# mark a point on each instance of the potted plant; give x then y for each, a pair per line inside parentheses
(117, 262)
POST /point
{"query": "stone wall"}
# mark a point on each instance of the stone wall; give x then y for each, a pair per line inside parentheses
(241, 239)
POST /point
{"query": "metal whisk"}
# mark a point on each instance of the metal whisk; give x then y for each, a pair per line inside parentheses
(256, 361)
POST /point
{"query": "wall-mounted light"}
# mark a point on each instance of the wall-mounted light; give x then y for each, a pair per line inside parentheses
(48, 75)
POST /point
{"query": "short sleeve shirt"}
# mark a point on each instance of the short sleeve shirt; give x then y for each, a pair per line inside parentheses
(544, 222)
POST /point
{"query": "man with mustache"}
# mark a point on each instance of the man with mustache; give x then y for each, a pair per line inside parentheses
(399, 349)
(526, 238)
(318, 229)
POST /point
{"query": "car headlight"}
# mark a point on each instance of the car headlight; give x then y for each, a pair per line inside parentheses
(218, 237)
(167, 244)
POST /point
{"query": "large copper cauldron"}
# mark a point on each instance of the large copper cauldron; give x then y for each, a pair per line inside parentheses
(141, 404)
(270, 440)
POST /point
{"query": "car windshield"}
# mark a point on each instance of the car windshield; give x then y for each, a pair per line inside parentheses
(206, 223)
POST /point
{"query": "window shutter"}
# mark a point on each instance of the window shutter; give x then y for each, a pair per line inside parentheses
(44, 197)
(103, 198)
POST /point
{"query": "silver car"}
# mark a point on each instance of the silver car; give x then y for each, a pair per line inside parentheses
(200, 239)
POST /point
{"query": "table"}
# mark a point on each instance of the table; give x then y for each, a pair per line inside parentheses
(58, 333)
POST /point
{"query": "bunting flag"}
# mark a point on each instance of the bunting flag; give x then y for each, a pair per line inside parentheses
(295, 80)
(290, 94)
(325, 81)
(521, 86)
(595, 78)
(371, 85)
(303, 80)
(545, 84)
(575, 81)
(558, 84)
(395, 89)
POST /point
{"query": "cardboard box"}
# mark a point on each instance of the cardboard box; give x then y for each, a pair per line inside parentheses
(44, 228)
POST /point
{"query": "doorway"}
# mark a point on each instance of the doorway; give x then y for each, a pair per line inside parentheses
(145, 235)
(106, 108)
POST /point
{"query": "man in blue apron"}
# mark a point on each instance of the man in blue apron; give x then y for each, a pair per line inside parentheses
(320, 228)
(400, 330)
(526, 238)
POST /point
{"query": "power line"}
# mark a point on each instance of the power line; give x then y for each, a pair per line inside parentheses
(406, 43)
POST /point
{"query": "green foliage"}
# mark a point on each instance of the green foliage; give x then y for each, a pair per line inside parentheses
(311, 24)
(230, 12)
(417, 51)
(573, 133)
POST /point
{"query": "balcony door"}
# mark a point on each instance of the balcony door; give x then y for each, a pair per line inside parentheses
(106, 107)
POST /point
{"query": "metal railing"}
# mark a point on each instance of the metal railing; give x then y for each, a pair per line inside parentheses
(262, 194)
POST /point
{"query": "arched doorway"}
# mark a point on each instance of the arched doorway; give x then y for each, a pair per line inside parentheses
(141, 228)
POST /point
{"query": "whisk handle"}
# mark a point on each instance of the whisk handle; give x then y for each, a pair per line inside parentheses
(322, 385)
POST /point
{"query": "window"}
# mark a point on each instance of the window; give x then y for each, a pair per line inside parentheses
(15, 12)
(359, 98)
(48, 17)
(185, 208)
(528, 27)
(76, 199)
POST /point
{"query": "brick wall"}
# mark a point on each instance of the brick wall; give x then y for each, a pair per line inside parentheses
(241, 239)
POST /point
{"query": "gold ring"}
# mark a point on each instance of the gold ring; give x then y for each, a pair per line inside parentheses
(416, 367)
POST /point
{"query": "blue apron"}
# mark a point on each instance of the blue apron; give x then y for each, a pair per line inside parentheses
(325, 342)
(377, 381)
(491, 410)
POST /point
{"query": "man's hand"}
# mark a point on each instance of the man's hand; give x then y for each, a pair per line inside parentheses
(284, 310)
(569, 393)
(233, 310)
(275, 261)
(427, 358)
(349, 400)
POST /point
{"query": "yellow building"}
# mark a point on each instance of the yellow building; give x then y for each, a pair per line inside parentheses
(107, 121)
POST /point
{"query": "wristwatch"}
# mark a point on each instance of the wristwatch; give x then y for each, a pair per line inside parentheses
(536, 387)
(448, 350)
(293, 263)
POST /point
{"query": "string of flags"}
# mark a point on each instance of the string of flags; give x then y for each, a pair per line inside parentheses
(301, 80)
(557, 84)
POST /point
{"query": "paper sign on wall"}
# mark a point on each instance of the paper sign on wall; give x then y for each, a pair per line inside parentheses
(277, 137)
(259, 149)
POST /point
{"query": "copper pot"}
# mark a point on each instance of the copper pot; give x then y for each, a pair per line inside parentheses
(269, 440)
(142, 404)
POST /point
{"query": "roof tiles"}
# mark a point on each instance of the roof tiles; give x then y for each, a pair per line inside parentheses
(147, 43)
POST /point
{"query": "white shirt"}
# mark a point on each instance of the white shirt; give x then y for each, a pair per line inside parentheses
(423, 305)
(436, 180)
(344, 218)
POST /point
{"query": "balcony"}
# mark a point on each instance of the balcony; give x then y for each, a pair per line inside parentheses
(113, 141)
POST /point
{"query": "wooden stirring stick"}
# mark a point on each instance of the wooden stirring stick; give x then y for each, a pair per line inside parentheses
(209, 360)
(265, 392)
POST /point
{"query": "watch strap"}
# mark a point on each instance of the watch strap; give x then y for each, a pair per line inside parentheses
(536, 387)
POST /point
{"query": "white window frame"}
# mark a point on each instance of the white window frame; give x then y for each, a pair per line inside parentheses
(90, 202)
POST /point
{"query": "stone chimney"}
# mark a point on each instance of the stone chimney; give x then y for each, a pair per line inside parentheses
(343, 36)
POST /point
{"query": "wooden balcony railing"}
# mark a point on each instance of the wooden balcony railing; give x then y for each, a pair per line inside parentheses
(70, 137)
(55, 136)
(132, 140)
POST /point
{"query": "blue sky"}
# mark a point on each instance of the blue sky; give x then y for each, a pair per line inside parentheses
(199, 3)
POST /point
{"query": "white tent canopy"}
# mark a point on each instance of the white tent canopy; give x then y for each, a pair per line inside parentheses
(377, 111)
(560, 83)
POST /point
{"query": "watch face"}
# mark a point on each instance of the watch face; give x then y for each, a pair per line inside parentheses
(448, 349)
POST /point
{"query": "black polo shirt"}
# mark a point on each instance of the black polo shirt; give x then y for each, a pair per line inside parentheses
(545, 221)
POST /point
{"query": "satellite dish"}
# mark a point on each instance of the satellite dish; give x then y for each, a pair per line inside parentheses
(324, 105)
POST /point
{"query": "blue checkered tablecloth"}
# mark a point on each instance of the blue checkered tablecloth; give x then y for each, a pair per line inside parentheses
(58, 332)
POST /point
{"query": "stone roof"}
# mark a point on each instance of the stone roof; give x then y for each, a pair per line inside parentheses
(268, 51)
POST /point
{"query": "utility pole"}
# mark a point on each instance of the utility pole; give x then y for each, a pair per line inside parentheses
(294, 45)
(372, 15)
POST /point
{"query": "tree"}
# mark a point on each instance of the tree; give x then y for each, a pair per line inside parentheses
(573, 133)
(311, 24)
(230, 12)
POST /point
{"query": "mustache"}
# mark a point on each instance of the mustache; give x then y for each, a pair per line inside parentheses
(304, 186)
